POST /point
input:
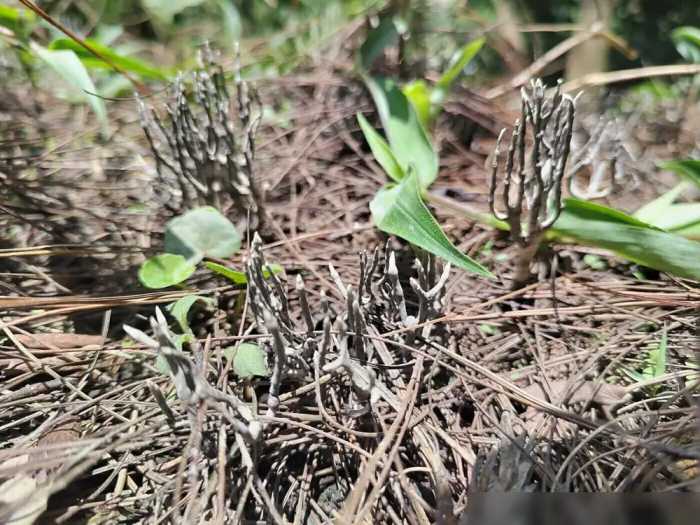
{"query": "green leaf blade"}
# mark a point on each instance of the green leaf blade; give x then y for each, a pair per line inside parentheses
(248, 360)
(165, 270)
(406, 135)
(603, 227)
(130, 64)
(381, 150)
(202, 232)
(67, 64)
(401, 212)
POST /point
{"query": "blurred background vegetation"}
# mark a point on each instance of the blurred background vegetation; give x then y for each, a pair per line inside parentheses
(149, 41)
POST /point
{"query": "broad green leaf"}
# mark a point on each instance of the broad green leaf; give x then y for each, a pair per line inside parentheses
(165, 10)
(465, 55)
(603, 227)
(248, 360)
(419, 94)
(130, 64)
(382, 36)
(164, 270)
(659, 208)
(400, 211)
(240, 277)
(679, 216)
(181, 308)
(202, 232)
(688, 168)
(405, 133)
(687, 41)
(67, 64)
(380, 149)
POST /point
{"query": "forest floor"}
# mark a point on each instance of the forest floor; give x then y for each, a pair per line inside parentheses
(508, 390)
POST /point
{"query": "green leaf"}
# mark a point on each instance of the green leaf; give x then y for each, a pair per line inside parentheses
(688, 168)
(130, 64)
(231, 20)
(164, 270)
(384, 35)
(659, 208)
(181, 308)
(200, 233)
(165, 10)
(232, 275)
(248, 360)
(400, 211)
(17, 20)
(419, 94)
(604, 227)
(406, 135)
(67, 64)
(687, 41)
(465, 55)
(380, 149)
(656, 359)
(240, 277)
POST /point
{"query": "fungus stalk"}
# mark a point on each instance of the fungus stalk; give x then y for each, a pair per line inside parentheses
(535, 164)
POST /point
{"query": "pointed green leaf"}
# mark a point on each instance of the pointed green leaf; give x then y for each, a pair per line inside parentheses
(688, 168)
(71, 69)
(380, 149)
(400, 211)
(130, 64)
(405, 133)
(419, 95)
(164, 270)
(659, 208)
(604, 227)
(465, 55)
(240, 277)
(202, 232)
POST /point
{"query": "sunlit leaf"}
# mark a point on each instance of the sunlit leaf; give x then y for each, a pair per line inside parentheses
(202, 232)
(603, 227)
(130, 64)
(180, 309)
(381, 150)
(460, 61)
(687, 41)
(248, 360)
(165, 10)
(67, 64)
(688, 168)
(419, 94)
(164, 270)
(405, 133)
(657, 209)
(240, 277)
(400, 211)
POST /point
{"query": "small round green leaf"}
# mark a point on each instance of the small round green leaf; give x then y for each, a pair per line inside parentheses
(202, 232)
(165, 270)
(248, 360)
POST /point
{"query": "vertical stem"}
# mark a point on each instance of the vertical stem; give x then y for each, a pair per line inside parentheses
(526, 254)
